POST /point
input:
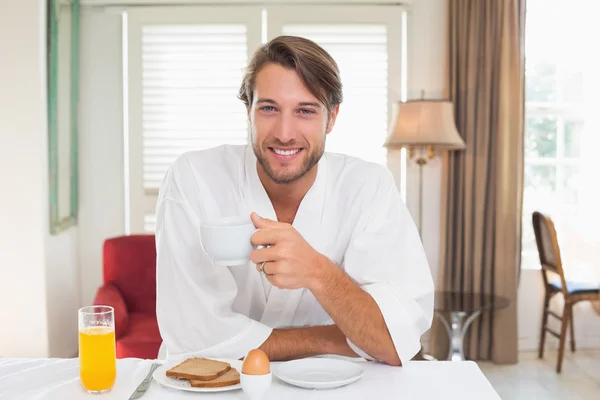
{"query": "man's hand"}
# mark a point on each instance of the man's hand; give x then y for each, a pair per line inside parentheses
(290, 262)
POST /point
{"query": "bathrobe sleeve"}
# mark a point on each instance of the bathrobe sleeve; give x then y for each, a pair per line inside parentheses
(194, 296)
(386, 258)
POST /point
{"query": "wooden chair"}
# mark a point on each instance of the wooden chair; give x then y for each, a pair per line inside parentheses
(573, 292)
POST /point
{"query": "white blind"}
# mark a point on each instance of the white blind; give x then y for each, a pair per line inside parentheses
(361, 53)
(190, 79)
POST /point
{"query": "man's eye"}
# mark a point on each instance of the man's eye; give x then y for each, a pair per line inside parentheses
(267, 108)
(306, 111)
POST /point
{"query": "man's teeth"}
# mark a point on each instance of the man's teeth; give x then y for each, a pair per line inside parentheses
(286, 152)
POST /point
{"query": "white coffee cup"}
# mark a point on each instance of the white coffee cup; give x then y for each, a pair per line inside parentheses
(228, 240)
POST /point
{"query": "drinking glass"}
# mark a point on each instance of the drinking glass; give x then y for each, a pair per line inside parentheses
(97, 353)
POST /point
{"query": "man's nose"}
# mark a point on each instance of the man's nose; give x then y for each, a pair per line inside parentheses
(285, 131)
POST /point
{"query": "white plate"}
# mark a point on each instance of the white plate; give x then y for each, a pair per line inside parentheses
(318, 373)
(160, 376)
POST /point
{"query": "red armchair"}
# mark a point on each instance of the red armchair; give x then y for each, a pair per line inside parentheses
(129, 271)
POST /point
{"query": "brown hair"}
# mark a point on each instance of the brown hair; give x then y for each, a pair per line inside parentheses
(315, 67)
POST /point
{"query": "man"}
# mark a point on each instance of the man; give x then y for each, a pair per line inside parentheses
(340, 268)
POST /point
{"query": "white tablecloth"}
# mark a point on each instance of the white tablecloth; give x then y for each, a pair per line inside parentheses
(58, 379)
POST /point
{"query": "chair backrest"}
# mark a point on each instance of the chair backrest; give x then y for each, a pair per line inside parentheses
(129, 262)
(547, 245)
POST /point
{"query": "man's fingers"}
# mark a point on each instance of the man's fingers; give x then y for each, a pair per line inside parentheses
(261, 222)
(277, 272)
(266, 254)
(278, 280)
(266, 237)
(270, 267)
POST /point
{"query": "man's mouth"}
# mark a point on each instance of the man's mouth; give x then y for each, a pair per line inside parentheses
(283, 152)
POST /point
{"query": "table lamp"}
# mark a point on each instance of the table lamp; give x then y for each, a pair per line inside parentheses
(424, 127)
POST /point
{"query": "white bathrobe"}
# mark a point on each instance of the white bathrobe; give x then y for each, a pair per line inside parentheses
(353, 214)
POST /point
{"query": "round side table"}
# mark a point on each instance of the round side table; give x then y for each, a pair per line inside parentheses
(457, 310)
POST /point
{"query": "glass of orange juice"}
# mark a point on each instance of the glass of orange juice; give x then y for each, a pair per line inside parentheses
(97, 353)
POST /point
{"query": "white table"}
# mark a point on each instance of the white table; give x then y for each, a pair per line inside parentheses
(58, 379)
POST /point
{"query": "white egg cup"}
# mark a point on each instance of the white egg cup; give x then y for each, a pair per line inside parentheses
(255, 386)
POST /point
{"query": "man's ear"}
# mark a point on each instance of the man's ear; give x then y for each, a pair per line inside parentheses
(332, 117)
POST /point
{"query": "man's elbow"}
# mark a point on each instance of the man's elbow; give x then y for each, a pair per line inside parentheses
(392, 359)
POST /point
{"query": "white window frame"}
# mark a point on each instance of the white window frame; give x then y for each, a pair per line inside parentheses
(142, 202)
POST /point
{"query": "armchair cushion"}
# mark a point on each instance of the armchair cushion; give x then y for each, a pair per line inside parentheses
(142, 340)
(109, 295)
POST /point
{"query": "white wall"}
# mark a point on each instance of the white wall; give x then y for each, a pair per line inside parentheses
(101, 143)
(427, 46)
(23, 171)
(38, 292)
(62, 292)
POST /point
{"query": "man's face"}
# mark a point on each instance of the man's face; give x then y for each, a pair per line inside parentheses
(288, 124)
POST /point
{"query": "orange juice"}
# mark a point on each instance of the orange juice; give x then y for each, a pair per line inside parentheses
(97, 358)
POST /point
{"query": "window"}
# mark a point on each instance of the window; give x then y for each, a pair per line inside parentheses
(184, 70)
(185, 66)
(561, 130)
(189, 92)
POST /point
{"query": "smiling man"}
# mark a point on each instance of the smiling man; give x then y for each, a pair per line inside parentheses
(340, 268)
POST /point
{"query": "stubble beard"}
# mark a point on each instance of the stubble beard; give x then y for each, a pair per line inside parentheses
(287, 177)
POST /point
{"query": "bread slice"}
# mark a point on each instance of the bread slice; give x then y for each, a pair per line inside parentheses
(231, 377)
(200, 369)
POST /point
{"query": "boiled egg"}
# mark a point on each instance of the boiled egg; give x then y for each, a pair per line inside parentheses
(256, 363)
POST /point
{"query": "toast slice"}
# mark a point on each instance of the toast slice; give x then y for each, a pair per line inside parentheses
(231, 377)
(199, 369)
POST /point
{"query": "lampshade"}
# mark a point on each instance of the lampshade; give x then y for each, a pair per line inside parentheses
(423, 123)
